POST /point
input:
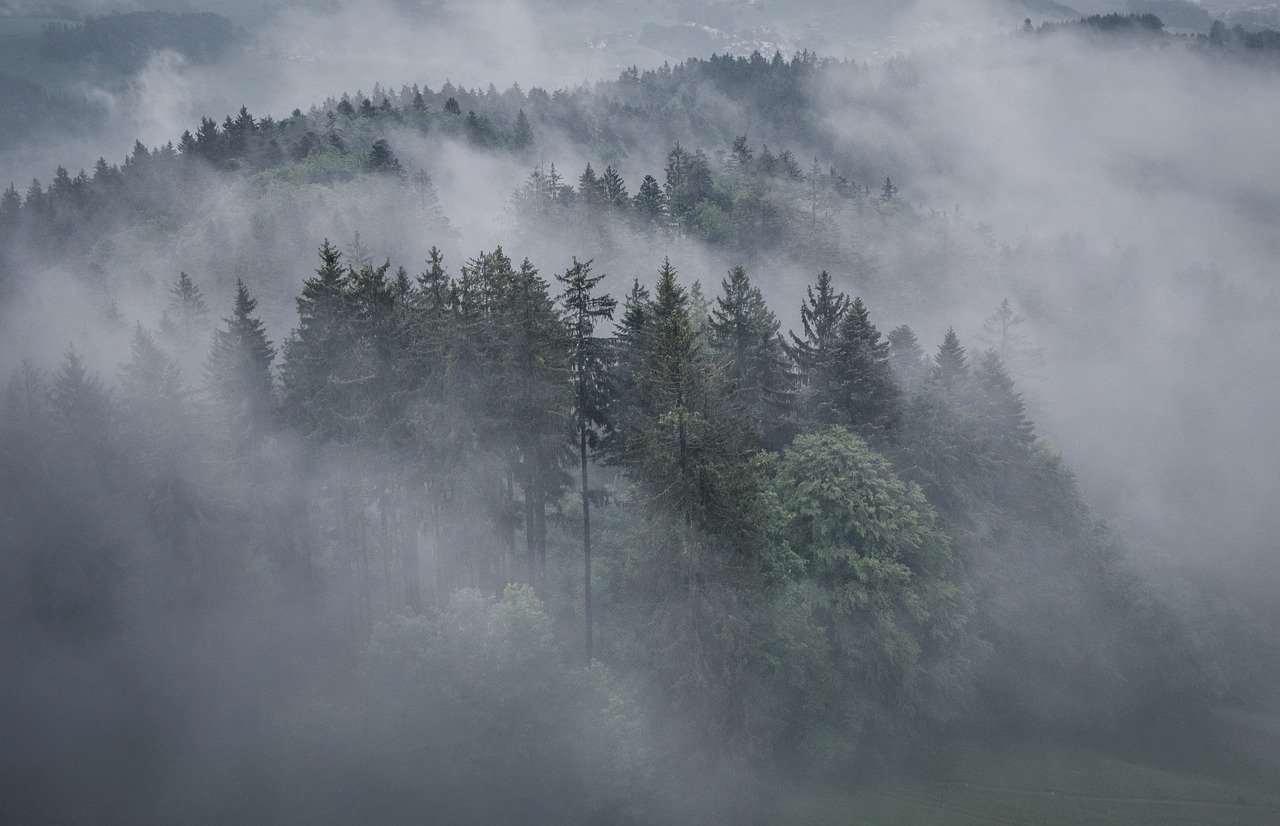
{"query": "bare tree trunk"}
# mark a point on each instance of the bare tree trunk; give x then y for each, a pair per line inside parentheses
(586, 545)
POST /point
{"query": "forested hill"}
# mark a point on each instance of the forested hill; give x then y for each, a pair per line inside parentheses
(821, 546)
(678, 483)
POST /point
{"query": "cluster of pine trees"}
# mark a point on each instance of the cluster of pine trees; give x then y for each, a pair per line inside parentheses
(812, 542)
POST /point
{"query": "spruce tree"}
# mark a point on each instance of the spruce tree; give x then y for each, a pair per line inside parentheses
(821, 314)
(907, 358)
(187, 311)
(950, 366)
(83, 413)
(590, 187)
(382, 160)
(522, 133)
(615, 190)
(315, 349)
(999, 403)
(238, 369)
(862, 388)
(629, 354)
(1002, 332)
(589, 368)
(745, 340)
(650, 201)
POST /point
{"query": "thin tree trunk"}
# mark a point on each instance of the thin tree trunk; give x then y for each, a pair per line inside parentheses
(586, 544)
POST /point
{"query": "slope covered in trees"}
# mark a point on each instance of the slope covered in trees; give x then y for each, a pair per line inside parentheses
(554, 531)
(769, 583)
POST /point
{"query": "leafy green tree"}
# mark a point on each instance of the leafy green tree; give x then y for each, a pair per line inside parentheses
(589, 367)
(887, 588)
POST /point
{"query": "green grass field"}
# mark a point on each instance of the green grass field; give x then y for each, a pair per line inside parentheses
(1209, 779)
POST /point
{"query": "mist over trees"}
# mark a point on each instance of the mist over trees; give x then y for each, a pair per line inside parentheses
(647, 450)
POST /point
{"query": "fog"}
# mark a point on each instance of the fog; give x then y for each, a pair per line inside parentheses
(372, 612)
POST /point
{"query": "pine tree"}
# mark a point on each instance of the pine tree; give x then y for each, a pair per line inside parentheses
(522, 134)
(950, 367)
(381, 159)
(669, 381)
(590, 188)
(629, 350)
(10, 207)
(1001, 332)
(863, 389)
(238, 369)
(589, 368)
(688, 180)
(999, 403)
(745, 340)
(650, 202)
(82, 408)
(188, 311)
(358, 255)
(615, 190)
(820, 317)
(907, 358)
(888, 191)
(315, 348)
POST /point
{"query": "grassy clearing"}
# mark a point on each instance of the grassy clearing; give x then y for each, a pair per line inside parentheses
(1200, 780)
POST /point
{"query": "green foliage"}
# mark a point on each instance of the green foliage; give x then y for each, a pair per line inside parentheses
(885, 586)
(478, 705)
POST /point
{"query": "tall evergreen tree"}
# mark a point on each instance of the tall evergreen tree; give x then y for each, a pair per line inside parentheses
(589, 368)
(238, 369)
(615, 190)
(590, 187)
(522, 133)
(821, 314)
(999, 403)
(863, 389)
(745, 340)
(950, 366)
(907, 358)
(188, 312)
(316, 348)
(650, 201)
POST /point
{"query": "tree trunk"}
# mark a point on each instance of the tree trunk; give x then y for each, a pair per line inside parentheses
(586, 545)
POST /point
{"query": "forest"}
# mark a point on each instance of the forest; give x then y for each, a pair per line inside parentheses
(726, 441)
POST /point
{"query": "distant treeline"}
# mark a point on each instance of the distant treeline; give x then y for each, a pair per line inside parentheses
(1220, 34)
(127, 40)
(27, 110)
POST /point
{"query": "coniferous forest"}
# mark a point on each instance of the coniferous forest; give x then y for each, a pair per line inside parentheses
(714, 442)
